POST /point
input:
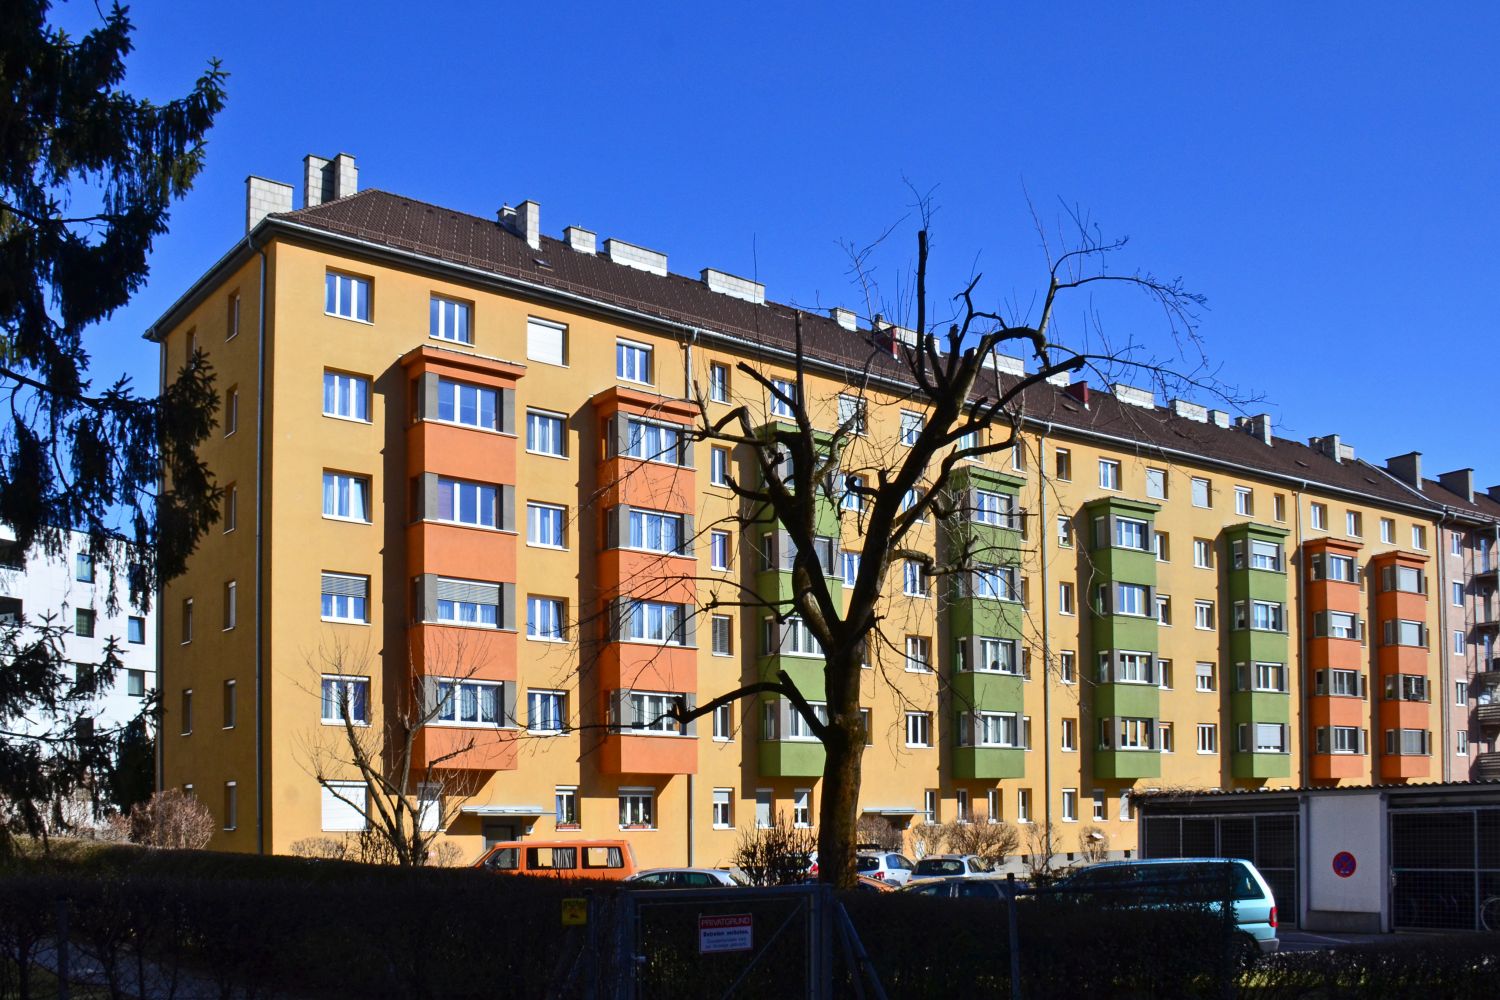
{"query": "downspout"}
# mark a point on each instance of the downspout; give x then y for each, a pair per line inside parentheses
(1041, 547)
(1445, 664)
(260, 523)
(1303, 686)
(161, 483)
(690, 861)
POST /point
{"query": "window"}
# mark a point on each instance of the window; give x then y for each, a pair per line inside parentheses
(1064, 531)
(1265, 555)
(1023, 805)
(798, 727)
(724, 722)
(1265, 616)
(469, 703)
(992, 802)
(1018, 456)
(231, 507)
(968, 441)
(1263, 677)
(1131, 534)
(135, 683)
(565, 805)
(544, 618)
(723, 814)
(545, 433)
(930, 805)
(1353, 524)
(1156, 483)
(961, 801)
(468, 405)
(994, 508)
(546, 342)
(919, 729)
(722, 627)
(1456, 543)
(83, 570)
(344, 804)
(869, 726)
(911, 427)
(718, 466)
(995, 582)
(1070, 734)
(346, 497)
(1133, 734)
(450, 320)
(1067, 671)
(1319, 516)
(1208, 737)
(1408, 742)
(1461, 743)
(918, 654)
(852, 499)
(1459, 643)
(654, 442)
(1278, 506)
(461, 502)
(546, 711)
(1130, 599)
(1129, 668)
(136, 629)
(1419, 537)
(635, 808)
(1064, 464)
(764, 803)
(1127, 810)
(1100, 809)
(794, 638)
(1204, 675)
(1109, 474)
(633, 361)
(1203, 553)
(231, 410)
(346, 396)
(1202, 493)
(231, 611)
(1406, 687)
(232, 327)
(1405, 633)
(1340, 568)
(231, 805)
(83, 622)
(1070, 805)
(1340, 683)
(187, 711)
(229, 706)
(1163, 610)
(1164, 737)
(345, 598)
(544, 524)
(187, 619)
(913, 578)
(1458, 593)
(1065, 599)
(346, 698)
(346, 296)
(1336, 625)
(1387, 530)
(852, 414)
(784, 399)
(802, 807)
(1161, 542)
(1262, 737)
(653, 621)
(1244, 501)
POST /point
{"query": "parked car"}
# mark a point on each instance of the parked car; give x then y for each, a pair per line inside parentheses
(681, 878)
(951, 866)
(1159, 881)
(602, 859)
(862, 883)
(887, 866)
(964, 887)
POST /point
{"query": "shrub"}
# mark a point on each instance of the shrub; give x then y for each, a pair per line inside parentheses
(777, 854)
(928, 838)
(1093, 844)
(171, 818)
(992, 842)
(879, 831)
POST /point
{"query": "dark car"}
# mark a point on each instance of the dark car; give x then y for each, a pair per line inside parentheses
(981, 887)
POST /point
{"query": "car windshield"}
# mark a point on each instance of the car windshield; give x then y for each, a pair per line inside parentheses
(940, 866)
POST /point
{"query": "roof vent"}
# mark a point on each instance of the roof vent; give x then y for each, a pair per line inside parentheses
(1407, 468)
(844, 318)
(733, 286)
(580, 239)
(1218, 418)
(1189, 411)
(1460, 481)
(637, 257)
(263, 197)
(1005, 363)
(1135, 397)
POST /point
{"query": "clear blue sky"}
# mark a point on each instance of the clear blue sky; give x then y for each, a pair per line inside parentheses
(1325, 173)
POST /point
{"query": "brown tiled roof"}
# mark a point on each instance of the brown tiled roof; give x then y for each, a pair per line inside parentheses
(1482, 505)
(404, 224)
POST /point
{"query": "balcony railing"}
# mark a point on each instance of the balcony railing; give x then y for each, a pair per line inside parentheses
(1487, 766)
(1488, 715)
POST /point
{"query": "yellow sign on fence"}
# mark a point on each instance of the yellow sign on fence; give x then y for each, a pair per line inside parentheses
(575, 912)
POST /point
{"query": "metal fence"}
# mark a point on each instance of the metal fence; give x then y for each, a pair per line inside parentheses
(1445, 869)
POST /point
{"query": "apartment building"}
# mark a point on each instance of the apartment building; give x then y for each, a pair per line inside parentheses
(459, 467)
(70, 591)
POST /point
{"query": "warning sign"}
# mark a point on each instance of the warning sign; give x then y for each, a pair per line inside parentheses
(575, 912)
(729, 932)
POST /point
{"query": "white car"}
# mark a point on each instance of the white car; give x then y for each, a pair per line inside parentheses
(682, 878)
(951, 866)
(887, 866)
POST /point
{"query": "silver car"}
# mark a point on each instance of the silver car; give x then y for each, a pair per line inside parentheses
(681, 878)
(951, 866)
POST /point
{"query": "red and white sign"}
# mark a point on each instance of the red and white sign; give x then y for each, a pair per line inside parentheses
(728, 932)
(1344, 864)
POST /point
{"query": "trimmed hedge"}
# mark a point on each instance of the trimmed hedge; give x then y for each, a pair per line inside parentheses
(1414, 967)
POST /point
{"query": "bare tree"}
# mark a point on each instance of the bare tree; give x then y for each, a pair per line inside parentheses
(779, 854)
(171, 818)
(1042, 845)
(406, 785)
(800, 469)
(880, 832)
(1093, 843)
(991, 842)
(926, 838)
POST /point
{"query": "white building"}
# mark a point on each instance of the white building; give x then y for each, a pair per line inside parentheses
(76, 594)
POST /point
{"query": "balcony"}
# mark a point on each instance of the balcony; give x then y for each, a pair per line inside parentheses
(791, 758)
(642, 753)
(462, 748)
(1488, 716)
(1487, 767)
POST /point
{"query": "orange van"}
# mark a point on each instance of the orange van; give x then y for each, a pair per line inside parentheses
(603, 859)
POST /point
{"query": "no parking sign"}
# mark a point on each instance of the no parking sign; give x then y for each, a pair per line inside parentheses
(1344, 864)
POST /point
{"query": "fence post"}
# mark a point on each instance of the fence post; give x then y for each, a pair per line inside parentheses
(62, 948)
(591, 967)
(1013, 923)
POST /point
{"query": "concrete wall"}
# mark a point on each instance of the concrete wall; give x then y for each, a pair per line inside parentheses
(1355, 823)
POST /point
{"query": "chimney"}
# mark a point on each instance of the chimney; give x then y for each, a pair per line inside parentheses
(1135, 397)
(1331, 446)
(1005, 363)
(1080, 392)
(262, 197)
(1494, 492)
(733, 286)
(580, 239)
(1190, 411)
(1407, 468)
(637, 257)
(327, 180)
(1460, 481)
(844, 318)
(1061, 379)
(1260, 426)
(528, 223)
(1219, 418)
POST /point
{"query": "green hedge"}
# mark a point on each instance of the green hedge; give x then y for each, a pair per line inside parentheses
(1405, 967)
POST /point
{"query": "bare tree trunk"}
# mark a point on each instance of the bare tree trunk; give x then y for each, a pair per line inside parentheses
(844, 747)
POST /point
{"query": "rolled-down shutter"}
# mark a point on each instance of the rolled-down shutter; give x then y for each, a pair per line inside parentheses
(339, 585)
(468, 591)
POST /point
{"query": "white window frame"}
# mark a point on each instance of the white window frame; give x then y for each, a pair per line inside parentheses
(537, 623)
(548, 697)
(637, 808)
(552, 421)
(443, 315)
(340, 290)
(1109, 474)
(348, 391)
(539, 350)
(722, 814)
(919, 730)
(634, 361)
